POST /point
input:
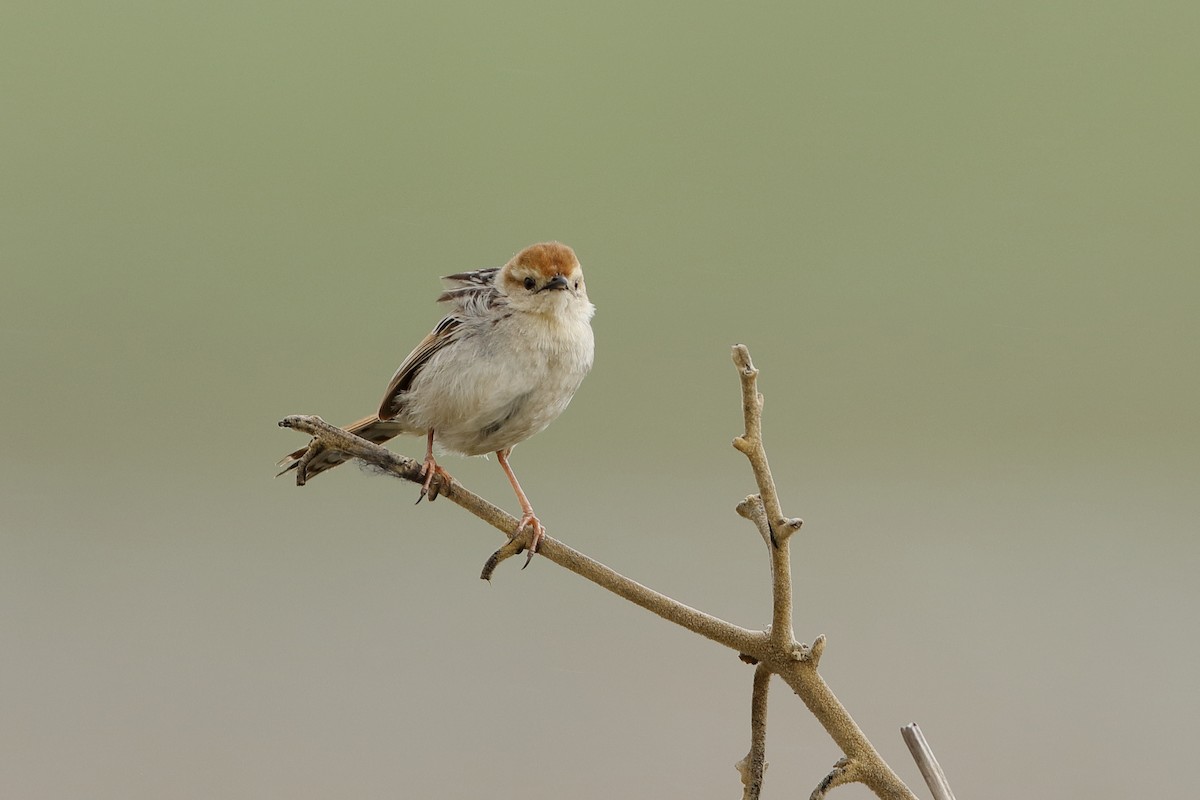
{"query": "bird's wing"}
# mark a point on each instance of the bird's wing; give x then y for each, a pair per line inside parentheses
(473, 294)
(438, 338)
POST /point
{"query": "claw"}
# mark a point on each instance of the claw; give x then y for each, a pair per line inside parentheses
(538, 532)
(430, 469)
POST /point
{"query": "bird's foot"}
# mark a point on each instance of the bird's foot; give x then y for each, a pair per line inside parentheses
(530, 521)
(430, 469)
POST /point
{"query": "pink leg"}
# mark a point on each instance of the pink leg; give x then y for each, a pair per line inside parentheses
(528, 517)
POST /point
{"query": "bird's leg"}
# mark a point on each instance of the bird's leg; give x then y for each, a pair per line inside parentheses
(528, 518)
(429, 469)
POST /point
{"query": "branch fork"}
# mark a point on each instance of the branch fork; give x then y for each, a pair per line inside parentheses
(773, 651)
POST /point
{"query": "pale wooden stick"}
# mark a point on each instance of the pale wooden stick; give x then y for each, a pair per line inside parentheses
(931, 770)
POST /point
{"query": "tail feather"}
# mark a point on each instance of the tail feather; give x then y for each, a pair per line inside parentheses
(371, 428)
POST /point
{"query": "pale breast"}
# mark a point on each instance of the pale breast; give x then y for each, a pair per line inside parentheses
(495, 388)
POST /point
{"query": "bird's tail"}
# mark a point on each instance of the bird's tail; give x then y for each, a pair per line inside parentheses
(371, 428)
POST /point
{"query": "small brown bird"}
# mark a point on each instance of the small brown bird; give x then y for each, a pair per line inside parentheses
(500, 367)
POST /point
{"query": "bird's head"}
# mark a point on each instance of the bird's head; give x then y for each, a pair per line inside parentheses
(544, 279)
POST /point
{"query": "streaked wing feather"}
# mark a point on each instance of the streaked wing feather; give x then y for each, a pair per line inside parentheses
(438, 338)
(469, 287)
(475, 277)
(473, 295)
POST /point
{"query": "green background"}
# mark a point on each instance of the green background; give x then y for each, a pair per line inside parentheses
(960, 240)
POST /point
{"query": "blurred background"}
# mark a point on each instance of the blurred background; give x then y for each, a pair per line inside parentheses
(960, 241)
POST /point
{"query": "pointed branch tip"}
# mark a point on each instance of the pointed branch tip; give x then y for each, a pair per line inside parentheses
(843, 772)
(817, 650)
(741, 358)
(508, 550)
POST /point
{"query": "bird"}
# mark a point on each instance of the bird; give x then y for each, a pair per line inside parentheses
(500, 367)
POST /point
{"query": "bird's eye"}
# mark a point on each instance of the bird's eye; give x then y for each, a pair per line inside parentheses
(530, 283)
(576, 284)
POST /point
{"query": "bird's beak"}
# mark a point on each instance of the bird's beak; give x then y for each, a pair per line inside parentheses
(557, 282)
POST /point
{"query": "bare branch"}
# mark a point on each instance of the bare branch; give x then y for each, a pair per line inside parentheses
(754, 764)
(931, 770)
(720, 631)
(792, 661)
(512, 547)
(750, 444)
(763, 509)
(774, 651)
(330, 437)
(868, 766)
(842, 772)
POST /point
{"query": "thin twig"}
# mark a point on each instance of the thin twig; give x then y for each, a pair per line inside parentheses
(765, 509)
(326, 436)
(750, 443)
(754, 764)
(841, 773)
(740, 639)
(931, 770)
